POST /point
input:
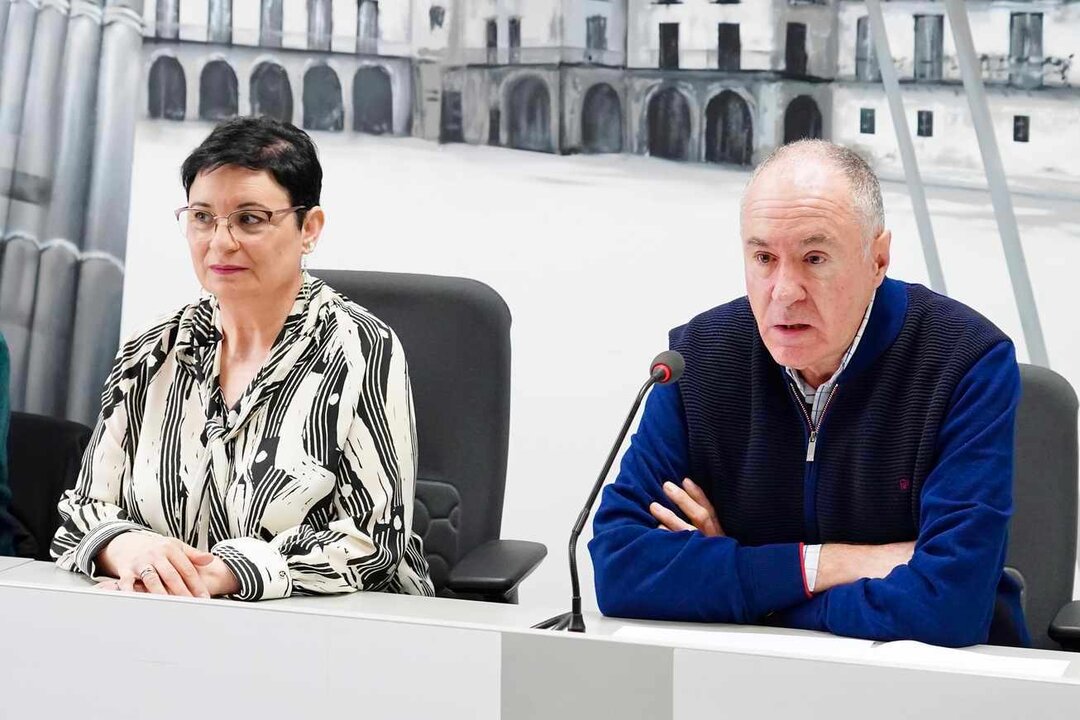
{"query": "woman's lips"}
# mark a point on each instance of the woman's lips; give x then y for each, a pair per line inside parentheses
(226, 269)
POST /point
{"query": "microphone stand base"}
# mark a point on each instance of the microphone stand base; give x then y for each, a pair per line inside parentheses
(570, 622)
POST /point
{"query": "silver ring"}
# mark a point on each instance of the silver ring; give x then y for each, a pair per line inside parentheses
(149, 569)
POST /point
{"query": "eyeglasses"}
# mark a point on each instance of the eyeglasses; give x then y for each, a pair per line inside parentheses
(199, 224)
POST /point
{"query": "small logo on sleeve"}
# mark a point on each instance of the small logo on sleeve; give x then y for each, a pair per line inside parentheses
(905, 484)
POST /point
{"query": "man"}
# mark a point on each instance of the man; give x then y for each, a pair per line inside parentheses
(838, 454)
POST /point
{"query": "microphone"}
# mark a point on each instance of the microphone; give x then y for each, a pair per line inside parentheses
(667, 367)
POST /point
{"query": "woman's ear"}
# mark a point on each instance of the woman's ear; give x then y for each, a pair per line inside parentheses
(314, 220)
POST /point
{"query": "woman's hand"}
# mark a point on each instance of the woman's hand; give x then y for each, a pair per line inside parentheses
(219, 579)
(217, 576)
(161, 565)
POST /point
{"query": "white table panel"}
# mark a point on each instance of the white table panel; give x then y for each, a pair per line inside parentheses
(114, 655)
(70, 651)
(567, 676)
(711, 684)
(7, 563)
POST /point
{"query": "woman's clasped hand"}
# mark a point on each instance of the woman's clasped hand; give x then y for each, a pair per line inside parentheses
(150, 563)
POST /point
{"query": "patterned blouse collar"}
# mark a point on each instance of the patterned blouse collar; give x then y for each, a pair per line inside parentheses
(198, 344)
(200, 327)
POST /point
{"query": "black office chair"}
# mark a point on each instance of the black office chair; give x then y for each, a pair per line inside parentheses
(1042, 537)
(44, 456)
(456, 335)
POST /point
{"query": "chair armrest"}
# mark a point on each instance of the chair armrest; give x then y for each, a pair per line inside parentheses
(1065, 628)
(495, 569)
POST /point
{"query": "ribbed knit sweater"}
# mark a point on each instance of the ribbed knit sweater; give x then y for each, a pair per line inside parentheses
(916, 443)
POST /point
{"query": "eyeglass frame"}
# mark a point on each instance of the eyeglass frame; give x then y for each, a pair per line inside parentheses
(227, 217)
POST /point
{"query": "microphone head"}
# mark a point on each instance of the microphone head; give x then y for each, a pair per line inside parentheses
(667, 367)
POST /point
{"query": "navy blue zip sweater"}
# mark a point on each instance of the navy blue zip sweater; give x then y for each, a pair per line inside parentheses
(915, 444)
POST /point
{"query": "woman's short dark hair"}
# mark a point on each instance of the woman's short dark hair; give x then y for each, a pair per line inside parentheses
(261, 143)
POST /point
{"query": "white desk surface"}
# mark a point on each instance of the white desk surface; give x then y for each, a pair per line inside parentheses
(6, 563)
(431, 653)
(441, 611)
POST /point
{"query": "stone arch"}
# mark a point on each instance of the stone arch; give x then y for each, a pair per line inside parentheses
(323, 106)
(167, 89)
(373, 101)
(529, 114)
(602, 120)
(218, 91)
(802, 119)
(668, 124)
(271, 92)
(729, 130)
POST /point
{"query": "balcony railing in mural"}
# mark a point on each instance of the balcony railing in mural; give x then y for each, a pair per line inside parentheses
(288, 40)
(539, 56)
(999, 70)
(1041, 72)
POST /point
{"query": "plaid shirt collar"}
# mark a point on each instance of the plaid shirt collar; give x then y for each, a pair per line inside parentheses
(813, 396)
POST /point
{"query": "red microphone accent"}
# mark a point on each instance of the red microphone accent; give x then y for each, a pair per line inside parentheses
(667, 372)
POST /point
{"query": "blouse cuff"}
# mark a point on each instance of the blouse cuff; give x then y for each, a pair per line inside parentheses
(92, 543)
(261, 571)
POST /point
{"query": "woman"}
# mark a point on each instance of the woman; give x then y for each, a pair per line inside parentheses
(260, 442)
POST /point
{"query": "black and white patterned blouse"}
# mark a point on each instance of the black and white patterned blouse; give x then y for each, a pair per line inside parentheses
(305, 486)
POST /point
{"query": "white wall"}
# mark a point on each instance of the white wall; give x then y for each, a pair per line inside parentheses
(597, 256)
(246, 18)
(1050, 151)
(698, 35)
(343, 16)
(540, 22)
(194, 19)
(989, 22)
(294, 23)
(429, 41)
(575, 21)
(1054, 110)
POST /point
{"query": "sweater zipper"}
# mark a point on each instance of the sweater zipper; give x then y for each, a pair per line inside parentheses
(811, 445)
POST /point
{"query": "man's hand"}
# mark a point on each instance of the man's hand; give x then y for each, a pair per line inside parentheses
(841, 564)
(691, 500)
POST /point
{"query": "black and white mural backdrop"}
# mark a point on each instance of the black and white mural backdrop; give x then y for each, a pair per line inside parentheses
(644, 118)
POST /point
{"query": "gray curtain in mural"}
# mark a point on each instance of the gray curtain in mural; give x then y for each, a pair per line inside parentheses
(69, 79)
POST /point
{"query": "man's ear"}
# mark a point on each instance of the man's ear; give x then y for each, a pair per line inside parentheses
(879, 254)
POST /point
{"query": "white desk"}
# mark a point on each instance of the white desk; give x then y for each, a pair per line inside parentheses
(69, 651)
(6, 563)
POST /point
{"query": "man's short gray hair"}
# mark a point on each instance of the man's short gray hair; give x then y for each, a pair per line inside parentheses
(865, 188)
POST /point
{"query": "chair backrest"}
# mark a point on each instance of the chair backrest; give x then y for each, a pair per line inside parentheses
(456, 335)
(1042, 537)
(45, 455)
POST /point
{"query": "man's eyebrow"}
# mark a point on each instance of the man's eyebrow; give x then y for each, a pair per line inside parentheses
(818, 239)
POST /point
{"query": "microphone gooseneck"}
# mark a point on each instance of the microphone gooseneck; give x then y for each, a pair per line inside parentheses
(667, 367)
